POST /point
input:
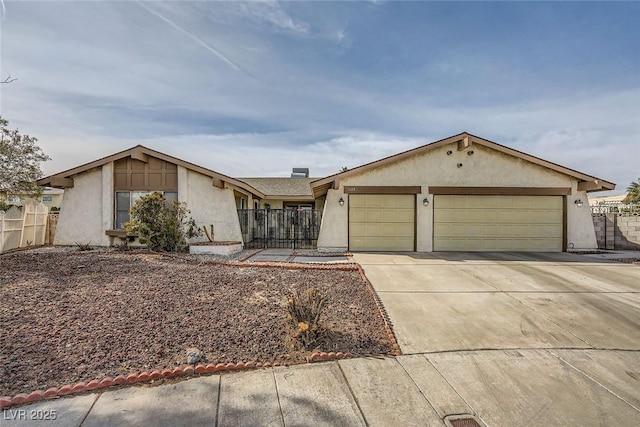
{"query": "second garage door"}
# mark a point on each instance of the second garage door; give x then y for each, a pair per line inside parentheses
(498, 223)
(381, 222)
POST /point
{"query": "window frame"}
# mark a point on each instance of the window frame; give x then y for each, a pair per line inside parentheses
(132, 200)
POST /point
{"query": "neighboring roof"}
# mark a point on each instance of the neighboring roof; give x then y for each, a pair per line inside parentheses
(587, 182)
(595, 201)
(278, 188)
(65, 179)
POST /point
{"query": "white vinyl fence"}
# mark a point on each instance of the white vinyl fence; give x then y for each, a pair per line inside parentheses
(22, 228)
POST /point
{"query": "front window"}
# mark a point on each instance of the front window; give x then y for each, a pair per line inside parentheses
(126, 199)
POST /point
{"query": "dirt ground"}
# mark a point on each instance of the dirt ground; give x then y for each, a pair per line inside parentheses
(70, 316)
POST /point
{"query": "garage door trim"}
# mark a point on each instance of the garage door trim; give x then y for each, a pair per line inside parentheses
(500, 191)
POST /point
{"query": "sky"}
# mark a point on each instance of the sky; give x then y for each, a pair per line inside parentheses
(256, 88)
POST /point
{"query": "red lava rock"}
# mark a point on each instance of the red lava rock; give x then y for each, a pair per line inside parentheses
(138, 286)
(154, 375)
(65, 389)
(19, 399)
(188, 370)
(51, 392)
(93, 384)
(120, 379)
(81, 386)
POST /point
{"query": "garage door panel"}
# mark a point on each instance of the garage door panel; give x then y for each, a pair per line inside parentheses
(356, 214)
(498, 223)
(373, 215)
(398, 215)
(381, 222)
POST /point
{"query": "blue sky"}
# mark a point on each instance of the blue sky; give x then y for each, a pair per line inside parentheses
(256, 88)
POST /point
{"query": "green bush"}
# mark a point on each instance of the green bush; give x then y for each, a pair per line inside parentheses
(160, 225)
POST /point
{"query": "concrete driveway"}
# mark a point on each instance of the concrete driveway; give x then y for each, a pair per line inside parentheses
(472, 301)
(523, 339)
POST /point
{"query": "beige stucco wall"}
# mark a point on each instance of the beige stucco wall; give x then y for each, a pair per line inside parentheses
(485, 168)
(334, 229)
(81, 216)
(209, 205)
(580, 231)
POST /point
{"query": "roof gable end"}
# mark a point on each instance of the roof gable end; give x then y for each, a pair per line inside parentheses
(464, 141)
(139, 152)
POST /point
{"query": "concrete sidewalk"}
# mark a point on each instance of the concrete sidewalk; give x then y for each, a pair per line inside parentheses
(500, 387)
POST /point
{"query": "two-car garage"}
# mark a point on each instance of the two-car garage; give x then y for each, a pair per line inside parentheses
(387, 222)
(462, 193)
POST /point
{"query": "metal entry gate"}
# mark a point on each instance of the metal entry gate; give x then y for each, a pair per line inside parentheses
(280, 228)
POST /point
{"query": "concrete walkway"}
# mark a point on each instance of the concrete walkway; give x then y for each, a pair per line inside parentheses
(502, 388)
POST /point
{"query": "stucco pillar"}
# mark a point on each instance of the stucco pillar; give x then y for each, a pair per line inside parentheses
(334, 230)
(183, 185)
(580, 231)
(108, 202)
(424, 222)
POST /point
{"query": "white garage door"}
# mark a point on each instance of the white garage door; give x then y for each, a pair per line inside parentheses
(381, 222)
(497, 223)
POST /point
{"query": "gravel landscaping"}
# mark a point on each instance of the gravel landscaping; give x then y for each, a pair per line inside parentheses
(70, 316)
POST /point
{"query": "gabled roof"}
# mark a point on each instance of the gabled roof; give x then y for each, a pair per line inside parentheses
(465, 140)
(139, 152)
(282, 188)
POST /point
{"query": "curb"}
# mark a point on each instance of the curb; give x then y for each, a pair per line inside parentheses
(133, 378)
(388, 326)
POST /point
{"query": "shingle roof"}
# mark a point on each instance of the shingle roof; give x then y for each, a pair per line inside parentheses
(281, 186)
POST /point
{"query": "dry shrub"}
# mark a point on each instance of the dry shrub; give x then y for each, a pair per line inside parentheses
(304, 313)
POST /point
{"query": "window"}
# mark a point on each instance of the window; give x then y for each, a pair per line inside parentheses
(47, 198)
(126, 199)
(13, 199)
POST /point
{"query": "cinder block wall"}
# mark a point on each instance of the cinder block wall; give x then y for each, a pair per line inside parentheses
(617, 231)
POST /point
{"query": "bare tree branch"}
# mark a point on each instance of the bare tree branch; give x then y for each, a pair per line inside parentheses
(9, 79)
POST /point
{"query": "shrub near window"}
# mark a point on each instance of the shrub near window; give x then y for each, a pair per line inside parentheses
(160, 225)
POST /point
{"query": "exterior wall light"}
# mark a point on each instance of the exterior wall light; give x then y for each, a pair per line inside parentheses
(341, 201)
(425, 201)
(579, 203)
